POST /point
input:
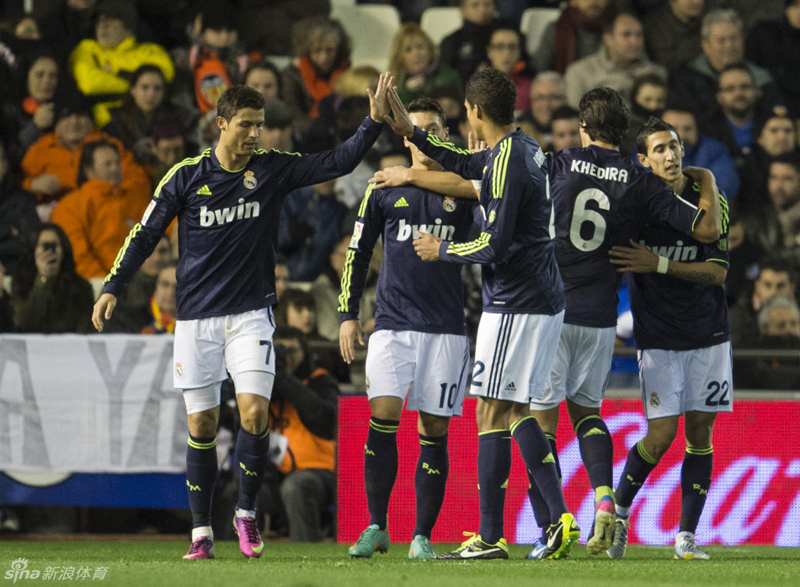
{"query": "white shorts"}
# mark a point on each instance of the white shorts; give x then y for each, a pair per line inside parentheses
(430, 369)
(205, 348)
(675, 382)
(514, 354)
(581, 367)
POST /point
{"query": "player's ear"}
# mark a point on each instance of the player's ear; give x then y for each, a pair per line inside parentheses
(683, 150)
(222, 124)
(642, 160)
(406, 143)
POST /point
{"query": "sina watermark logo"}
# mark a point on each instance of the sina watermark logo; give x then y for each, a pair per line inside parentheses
(19, 570)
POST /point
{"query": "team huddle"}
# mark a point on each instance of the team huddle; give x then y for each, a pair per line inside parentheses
(557, 231)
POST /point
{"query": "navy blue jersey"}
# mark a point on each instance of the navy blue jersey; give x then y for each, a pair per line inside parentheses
(675, 314)
(603, 199)
(412, 294)
(228, 224)
(515, 246)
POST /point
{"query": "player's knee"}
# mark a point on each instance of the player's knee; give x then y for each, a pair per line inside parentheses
(433, 426)
(254, 418)
(203, 424)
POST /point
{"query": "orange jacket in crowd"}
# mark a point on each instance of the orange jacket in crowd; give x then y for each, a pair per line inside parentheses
(48, 155)
(97, 218)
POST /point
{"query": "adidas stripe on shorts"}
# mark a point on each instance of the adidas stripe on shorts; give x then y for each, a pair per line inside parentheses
(430, 369)
(675, 382)
(514, 354)
(581, 367)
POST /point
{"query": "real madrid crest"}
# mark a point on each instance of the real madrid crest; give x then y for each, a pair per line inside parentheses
(178, 370)
(492, 216)
(449, 204)
(250, 181)
(654, 401)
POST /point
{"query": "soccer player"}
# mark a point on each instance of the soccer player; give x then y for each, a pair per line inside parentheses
(420, 348)
(227, 201)
(600, 199)
(523, 301)
(683, 339)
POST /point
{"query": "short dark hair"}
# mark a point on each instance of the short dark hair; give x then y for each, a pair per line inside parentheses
(604, 115)
(87, 157)
(564, 112)
(237, 98)
(428, 105)
(740, 66)
(778, 264)
(790, 159)
(652, 126)
(647, 79)
(494, 92)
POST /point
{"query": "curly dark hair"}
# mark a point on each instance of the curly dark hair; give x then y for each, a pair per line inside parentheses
(604, 115)
(494, 92)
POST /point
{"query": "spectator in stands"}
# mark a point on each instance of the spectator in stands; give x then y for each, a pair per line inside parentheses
(783, 185)
(47, 296)
(322, 54)
(162, 303)
(751, 12)
(102, 67)
(465, 49)
(618, 62)
(738, 102)
(132, 312)
(143, 104)
(52, 163)
(66, 26)
(775, 46)
(278, 131)
(310, 226)
(264, 77)
(575, 35)
(745, 252)
(99, 215)
(547, 95)
(281, 276)
(18, 218)
(722, 41)
(565, 127)
(216, 59)
(672, 32)
(506, 52)
(702, 151)
(775, 135)
(33, 113)
(266, 25)
(168, 146)
(302, 423)
(415, 64)
(648, 98)
(775, 278)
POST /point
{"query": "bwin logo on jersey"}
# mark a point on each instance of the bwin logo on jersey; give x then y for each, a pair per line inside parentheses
(443, 231)
(677, 252)
(226, 215)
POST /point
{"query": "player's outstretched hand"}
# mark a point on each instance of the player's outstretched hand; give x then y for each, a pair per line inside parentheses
(378, 101)
(634, 259)
(391, 177)
(399, 122)
(103, 308)
(349, 332)
(427, 246)
(474, 145)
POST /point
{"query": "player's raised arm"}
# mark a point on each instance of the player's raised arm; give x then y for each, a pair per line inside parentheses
(441, 182)
(707, 229)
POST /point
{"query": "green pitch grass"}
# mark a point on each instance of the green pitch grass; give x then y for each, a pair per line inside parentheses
(146, 563)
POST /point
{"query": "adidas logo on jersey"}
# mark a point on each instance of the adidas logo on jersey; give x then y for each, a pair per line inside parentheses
(401, 203)
(549, 458)
(443, 231)
(226, 215)
(204, 191)
(510, 387)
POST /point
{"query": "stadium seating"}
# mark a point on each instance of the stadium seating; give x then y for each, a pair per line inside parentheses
(440, 22)
(371, 28)
(533, 23)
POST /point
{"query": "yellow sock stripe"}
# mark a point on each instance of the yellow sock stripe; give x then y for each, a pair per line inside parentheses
(518, 422)
(266, 433)
(692, 450)
(347, 281)
(437, 142)
(202, 445)
(587, 417)
(383, 427)
(131, 235)
(550, 436)
(493, 431)
(464, 249)
(643, 453)
(430, 442)
(603, 491)
(499, 169)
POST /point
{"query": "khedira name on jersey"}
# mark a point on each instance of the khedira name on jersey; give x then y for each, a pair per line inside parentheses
(609, 173)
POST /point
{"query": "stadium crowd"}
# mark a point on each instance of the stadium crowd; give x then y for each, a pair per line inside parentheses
(100, 98)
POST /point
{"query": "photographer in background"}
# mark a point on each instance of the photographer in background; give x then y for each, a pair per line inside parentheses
(301, 479)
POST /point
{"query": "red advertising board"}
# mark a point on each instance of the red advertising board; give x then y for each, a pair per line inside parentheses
(754, 496)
